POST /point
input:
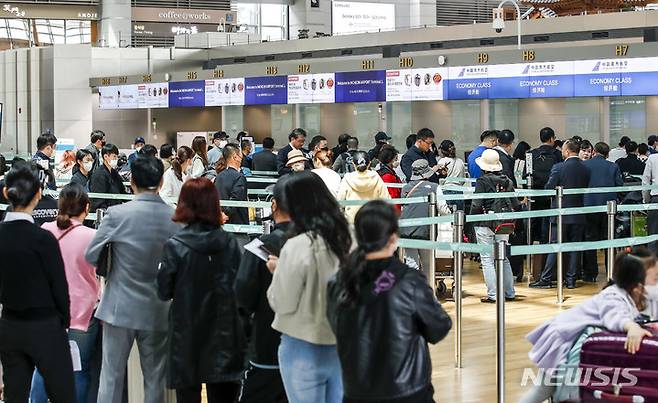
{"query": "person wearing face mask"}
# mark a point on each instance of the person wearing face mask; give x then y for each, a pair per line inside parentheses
(45, 152)
(84, 164)
(297, 139)
(232, 185)
(389, 160)
(139, 143)
(296, 161)
(174, 177)
(106, 178)
(219, 141)
(615, 308)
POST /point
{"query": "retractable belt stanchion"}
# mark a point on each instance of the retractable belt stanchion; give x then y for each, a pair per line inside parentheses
(433, 232)
(100, 214)
(458, 236)
(499, 258)
(559, 194)
(528, 230)
(612, 211)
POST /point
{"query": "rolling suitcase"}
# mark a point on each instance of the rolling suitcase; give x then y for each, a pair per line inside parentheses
(609, 374)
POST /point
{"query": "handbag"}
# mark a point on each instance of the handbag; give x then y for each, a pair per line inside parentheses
(105, 261)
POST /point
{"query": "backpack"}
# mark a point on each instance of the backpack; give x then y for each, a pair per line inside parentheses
(541, 168)
(500, 205)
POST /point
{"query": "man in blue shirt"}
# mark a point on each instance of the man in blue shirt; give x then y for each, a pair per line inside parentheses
(488, 139)
(139, 143)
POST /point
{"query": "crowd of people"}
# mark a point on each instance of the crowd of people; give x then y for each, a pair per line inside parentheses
(300, 314)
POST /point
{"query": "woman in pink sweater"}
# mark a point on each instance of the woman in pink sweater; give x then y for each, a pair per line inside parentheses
(84, 288)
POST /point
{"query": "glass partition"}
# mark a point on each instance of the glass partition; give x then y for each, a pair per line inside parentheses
(309, 119)
(399, 123)
(466, 128)
(366, 123)
(583, 118)
(627, 118)
(233, 120)
(282, 122)
(504, 114)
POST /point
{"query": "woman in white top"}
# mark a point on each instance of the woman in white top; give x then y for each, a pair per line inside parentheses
(322, 161)
(173, 179)
(200, 160)
(452, 166)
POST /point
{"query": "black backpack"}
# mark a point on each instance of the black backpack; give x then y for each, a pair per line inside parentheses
(500, 205)
(541, 168)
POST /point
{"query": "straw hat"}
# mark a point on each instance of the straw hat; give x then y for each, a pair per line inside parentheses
(295, 156)
(489, 161)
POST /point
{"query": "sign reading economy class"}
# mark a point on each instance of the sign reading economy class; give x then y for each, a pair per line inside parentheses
(266, 90)
(361, 86)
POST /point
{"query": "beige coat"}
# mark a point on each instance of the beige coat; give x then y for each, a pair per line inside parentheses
(366, 185)
(298, 293)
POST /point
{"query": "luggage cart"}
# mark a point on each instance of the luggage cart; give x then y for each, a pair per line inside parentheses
(444, 270)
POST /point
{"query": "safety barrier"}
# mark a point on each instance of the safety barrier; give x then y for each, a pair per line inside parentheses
(498, 250)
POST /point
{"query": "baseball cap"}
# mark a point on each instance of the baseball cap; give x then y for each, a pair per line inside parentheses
(139, 140)
(381, 136)
(219, 136)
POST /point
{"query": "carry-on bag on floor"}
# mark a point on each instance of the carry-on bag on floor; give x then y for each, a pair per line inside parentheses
(610, 374)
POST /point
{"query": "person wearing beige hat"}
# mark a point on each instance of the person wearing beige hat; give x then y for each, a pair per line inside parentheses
(296, 161)
(487, 232)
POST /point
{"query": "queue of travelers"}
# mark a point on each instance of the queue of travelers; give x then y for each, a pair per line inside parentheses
(304, 303)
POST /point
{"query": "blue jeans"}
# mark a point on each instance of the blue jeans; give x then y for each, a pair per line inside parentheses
(485, 236)
(86, 342)
(310, 372)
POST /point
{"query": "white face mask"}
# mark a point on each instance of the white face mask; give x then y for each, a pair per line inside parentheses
(298, 167)
(138, 149)
(113, 164)
(88, 165)
(223, 143)
(652, 291)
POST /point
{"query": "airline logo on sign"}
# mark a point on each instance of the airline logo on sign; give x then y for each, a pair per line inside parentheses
(474, 72)
(543, 68)
(610, 66)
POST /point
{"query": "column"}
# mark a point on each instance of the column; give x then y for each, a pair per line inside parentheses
(115, 23)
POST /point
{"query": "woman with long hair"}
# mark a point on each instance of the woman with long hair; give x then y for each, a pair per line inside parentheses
(631, 291)
(200, 160)
(84, 287)
(35, 313)
(378, 304)
(172, 181)
(199, 264)
(519, 160)
(319, 242)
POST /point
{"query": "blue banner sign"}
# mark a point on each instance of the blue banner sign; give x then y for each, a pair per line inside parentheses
(186, 94)
(266, 90)
(361, 86)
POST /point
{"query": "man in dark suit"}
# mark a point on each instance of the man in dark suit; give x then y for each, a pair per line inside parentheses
(297, 139)
(265, 160)
(504, 148)
(631, 164)
(607, 174)
(570, 174)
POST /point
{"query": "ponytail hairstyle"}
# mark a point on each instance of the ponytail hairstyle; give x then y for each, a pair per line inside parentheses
(183, 154)
(630, 270)
(73, 201)
(22, 183)
(361, 161)
(373, 226)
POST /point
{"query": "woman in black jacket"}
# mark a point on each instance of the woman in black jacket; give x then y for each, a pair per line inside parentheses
(34, 295)
(198, 269)
(383, 314)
